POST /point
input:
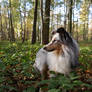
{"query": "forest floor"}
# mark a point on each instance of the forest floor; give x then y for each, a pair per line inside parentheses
(18, 75)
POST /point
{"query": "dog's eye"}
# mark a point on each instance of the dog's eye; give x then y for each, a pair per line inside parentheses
(53, 32)
(54, 40)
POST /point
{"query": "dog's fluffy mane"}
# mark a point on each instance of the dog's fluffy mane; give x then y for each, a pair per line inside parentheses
(70, 42)
(70, 56)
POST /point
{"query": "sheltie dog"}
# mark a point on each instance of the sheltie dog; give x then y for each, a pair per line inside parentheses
(60, 55)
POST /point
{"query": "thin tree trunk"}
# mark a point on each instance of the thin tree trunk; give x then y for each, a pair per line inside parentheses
(73, 26)
(52, 17)
(70, 17)
(6, 26)
(34, 23)
(9, 27)
(87, 31)
(84, 32)
(88, 20)
(46, 21)
(65, 10)
(42, 11)
(57, 20)
(27, 33)
(11, 23)
(77, 31)
(41, 5)
(1, 29)
(37, 30)
(91, 33)
(24, 33)
(21, 22)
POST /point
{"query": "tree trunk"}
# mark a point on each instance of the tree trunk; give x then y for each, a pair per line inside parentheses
(1, 29)
(46, 21)
(57, 20)
(70, 17)
(9, 27)
(34, 23)
(21, 22)
(41, 5)
(65, 17)
(24, 33)
(84, 32)
(87, 31)
(6, 27)
(37, 30)
(42, 10)
(27, 33)
(12, 38)
(73, 26)
(77, 31)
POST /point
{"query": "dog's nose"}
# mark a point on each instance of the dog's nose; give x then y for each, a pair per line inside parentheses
(44, 48)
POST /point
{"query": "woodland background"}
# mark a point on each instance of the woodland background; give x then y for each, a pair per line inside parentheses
(35, 19)
(25, 26)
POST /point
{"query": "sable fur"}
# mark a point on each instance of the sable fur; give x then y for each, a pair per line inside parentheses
(55, 46)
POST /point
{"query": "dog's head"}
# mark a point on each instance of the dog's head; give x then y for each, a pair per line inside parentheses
(54, 46)
(62, 35)
(59, 37)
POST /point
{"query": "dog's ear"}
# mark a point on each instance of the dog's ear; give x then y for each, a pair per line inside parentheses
(61, 30)
(68, 37)
(65, 37)
(62, 33)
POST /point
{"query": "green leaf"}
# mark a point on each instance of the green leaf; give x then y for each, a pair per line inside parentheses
(54, 90)
(30, 89)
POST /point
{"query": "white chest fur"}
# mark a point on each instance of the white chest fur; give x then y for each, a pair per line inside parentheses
(59, 63)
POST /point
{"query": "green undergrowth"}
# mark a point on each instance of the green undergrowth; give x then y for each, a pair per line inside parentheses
(18, 75)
